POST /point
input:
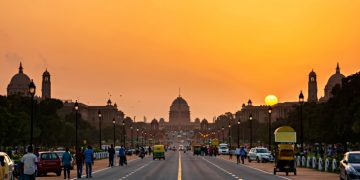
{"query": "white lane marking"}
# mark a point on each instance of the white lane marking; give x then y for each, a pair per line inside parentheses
(226, 172)
(257, 169)
(103, 169)
(136, 170)
(179, 167)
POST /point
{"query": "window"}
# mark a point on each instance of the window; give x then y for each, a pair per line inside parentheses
(49, 156)
(354, 158)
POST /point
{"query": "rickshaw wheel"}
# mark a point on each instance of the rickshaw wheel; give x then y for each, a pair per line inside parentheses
(274, 171)
(287, 173)
(295, 172)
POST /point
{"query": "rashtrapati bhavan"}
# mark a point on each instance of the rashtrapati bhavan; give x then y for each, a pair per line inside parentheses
(179, 114)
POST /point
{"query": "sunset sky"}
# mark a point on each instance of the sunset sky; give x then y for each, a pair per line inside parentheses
(219, 52)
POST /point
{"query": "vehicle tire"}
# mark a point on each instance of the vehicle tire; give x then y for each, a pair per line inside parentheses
(57, 173)
(249, 160)
(274, 171)
(295, 172)
(257, 159)
(287, 173)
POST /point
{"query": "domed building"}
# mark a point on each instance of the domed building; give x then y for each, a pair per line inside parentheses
(179, 112)
(19, 83)
(332, 82)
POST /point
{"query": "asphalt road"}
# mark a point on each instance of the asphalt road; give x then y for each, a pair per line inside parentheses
(191, 167)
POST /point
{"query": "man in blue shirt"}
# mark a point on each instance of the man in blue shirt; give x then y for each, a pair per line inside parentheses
(89, 161)
(66, 160)
(122, 155)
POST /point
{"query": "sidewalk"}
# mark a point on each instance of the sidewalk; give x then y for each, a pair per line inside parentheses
(98, 165)
(302, 173)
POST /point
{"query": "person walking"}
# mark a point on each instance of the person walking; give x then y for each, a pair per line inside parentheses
(237, 152)
(29, 160)
(89, 161)
(79, 162)
(111, 152)
(243, 154)
(122, 155)
(66, 161)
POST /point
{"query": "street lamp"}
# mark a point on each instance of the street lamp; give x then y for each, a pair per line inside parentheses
(142, 138)
(114, 129)
(223, 136)
(124, 133)
(250, 119)
(301, 102)
(137, 137)
(238, 132)
(229, 134)
(218, 134)
(32, 90)
(76, 107)
(100, 116)
(270, 101)
(145, 138)
(132, 140)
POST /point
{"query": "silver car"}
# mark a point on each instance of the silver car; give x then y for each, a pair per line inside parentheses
(260, 154)
(350, 166)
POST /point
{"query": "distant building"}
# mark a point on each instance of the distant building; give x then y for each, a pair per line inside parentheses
(334, 80)
(19, 84)
(312, 87)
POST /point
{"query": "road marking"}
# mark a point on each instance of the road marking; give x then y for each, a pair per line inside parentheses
(179, 169)
(222, 169)
(100, 170)
(136, 170)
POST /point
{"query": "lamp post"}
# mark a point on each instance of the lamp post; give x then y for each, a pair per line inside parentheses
(32, 90)
(142, 138)
(250, 120)
(270, 101)
(137, 137)
(100, 116)
(132, 140)
(223, 134)
(124, 133)
(145, 138)
(229, 136)
(114, 130)
(218, 134)
(238, 133)
(301, 102)
(76, 107)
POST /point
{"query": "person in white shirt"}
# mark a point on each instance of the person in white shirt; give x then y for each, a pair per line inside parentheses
(29, 160)
(237, 152)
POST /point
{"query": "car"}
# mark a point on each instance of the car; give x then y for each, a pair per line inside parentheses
(10, 164)
(223, 148)
(350, 166)
(60, 153)
(48, 162)
(260, 154)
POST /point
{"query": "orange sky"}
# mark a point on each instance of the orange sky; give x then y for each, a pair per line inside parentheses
(221, 53)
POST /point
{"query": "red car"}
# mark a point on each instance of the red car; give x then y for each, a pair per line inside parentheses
(49, 162)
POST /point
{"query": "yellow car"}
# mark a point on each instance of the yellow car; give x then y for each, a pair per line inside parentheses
(158, 152)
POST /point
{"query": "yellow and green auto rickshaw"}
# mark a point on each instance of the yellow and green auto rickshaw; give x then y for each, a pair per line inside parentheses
(285, 138)
(158, 152)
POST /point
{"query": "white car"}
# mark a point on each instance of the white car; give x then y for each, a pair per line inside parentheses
(260, 154)
(223, 149)
(10, 164)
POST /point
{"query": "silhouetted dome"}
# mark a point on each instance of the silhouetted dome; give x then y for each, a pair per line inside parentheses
(197, 120)
(204, 121)
(46, 73)
(333, 81)
(19, 83)
(154, 121)
(179, 101)
(312, 73)
(162, 121)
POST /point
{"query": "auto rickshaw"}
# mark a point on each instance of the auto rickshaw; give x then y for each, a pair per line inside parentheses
(158, 152)
(285, 137)
(197, 149)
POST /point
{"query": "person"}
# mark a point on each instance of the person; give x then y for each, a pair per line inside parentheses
(111, 152)
(231, 152)
(150, 150)
(243, 154)
(237, 152)
(89, 161)
(4, 169)
(142, 152)
(121, 155)
(66, 161)
(79, 162)
(29, 160)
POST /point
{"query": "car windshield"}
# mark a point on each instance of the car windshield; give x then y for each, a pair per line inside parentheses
(49, 156)
(223, 147)
(354, 158)
(262, 151)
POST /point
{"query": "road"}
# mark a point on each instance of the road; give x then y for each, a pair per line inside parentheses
(179, 165)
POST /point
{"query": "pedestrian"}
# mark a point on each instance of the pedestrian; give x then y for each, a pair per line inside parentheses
(111, 152)
(237, 153)
(243, 154)
(150, 150)
(66, 161)
(121, 155)
(89, 161)
(79, 162)
(231, 152)
(30, 161)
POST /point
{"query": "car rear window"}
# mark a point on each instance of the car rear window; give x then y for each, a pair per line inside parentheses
(49, 156)
(354, 158)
